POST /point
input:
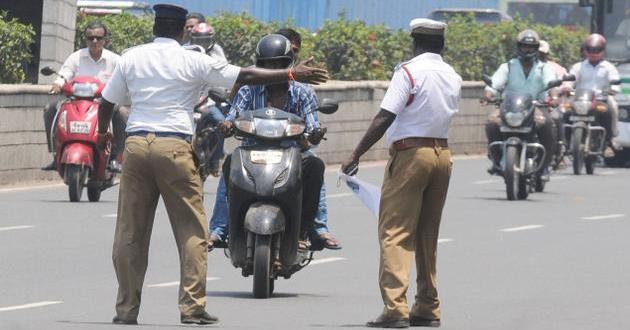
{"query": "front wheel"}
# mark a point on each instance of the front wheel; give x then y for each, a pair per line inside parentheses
(515, 185)
(577, 150)
(263, 282)
(75, 178)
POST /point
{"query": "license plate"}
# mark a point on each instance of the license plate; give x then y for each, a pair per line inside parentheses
(505, 129)
(80, 127)
(582, 118)
(266, 157)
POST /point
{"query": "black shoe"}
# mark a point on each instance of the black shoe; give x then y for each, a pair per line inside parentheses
(50, 167)
(415, 321)
(493, 170)
(386, 322)
(118, 320)
(203, 318)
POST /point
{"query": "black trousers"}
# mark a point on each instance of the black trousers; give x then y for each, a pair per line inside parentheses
(119, 124)
(312, 181)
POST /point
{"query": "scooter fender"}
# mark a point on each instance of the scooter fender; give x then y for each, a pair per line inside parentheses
(78, 153)
(265, 219)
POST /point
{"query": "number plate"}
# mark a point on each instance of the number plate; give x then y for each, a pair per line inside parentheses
(582, 118)
(266, 157)
(506, 129)
(80, 127)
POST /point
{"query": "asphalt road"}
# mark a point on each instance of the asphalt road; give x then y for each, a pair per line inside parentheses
(558, 260)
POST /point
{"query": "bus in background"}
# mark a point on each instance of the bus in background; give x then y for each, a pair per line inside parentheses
(559, 12)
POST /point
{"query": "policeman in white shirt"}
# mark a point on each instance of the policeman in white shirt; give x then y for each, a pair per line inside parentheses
(164, 81)
(416, 111)
(94, 61)
(595, 73)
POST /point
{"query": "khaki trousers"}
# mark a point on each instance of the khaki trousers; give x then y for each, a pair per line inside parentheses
(412, 197)
(154, 167)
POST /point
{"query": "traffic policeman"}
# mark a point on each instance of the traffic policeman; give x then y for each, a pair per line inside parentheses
(416, 111)
(164, 81)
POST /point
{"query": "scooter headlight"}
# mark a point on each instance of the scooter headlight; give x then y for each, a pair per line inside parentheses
(582, 107)
(270, 128)
(514, 119)
(246, 126)
(84, 89)
(295, 129)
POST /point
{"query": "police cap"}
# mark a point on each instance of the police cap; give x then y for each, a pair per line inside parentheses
(427, 26)
(170, 11)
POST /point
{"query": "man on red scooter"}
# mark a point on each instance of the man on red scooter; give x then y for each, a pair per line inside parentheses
(94, 61)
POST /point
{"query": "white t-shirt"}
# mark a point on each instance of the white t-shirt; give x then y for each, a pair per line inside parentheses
(597, 77)
(436, 89)
(164, 81)
(80, 63)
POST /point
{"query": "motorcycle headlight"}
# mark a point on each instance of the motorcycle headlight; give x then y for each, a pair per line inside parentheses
(84, 89)
(582, 107)
(514, 119)
(246, 126)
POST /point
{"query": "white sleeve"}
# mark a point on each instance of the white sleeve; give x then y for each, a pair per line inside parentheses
(68, 69)
(398, 92)
(216, 72)
(116, 89)
(613, 74)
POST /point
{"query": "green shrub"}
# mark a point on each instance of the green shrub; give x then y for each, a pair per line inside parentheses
(125, 30)
(15, 42)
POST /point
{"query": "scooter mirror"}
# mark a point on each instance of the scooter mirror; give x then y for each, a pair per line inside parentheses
(328, 106)
(47, 71)
(486, 79)
(554, 83)
(568, 77)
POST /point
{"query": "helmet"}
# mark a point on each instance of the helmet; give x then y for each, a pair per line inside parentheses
(274, 47)
(203, 35)
(594, 47)
(527, 43)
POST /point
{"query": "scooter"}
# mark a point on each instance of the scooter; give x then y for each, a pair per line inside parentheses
(79, 162)
(265, 197)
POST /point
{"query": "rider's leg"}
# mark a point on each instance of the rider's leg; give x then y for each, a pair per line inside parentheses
(219, 219)
(493, 134)
(312, 181)
(49, 115)
(544, 129)
(614, 108)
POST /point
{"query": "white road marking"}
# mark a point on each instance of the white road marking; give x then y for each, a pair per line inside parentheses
(113, 215)
(487, 181)
(176, 283)
(325, 260)
(528, 227)
(603, 217)
(445, 240)
(46, 186)
(608, 173)
(33, 305)
(15, 228)
(339, 195)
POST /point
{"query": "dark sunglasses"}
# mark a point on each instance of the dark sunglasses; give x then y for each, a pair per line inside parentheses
(593, 50)
(98, 38)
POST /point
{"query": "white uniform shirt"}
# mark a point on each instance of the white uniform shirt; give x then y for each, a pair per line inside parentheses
(436, 90)
(596, 77)
(164, 81)
(80, 63)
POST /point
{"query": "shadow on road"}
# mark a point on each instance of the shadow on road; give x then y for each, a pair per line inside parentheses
(248, 295)
(140, 325)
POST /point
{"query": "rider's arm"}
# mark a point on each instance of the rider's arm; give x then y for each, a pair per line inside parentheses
(68, 69)
(499, 80)
(613, 74)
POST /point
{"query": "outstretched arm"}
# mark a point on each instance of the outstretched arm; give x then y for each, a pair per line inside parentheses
(375, 132)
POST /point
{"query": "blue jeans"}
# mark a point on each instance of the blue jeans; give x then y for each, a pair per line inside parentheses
(219, 219)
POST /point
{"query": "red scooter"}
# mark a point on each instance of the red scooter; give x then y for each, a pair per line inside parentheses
(79, 162)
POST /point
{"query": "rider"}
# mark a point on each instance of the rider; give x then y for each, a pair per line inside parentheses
(525, 73)
(595, 73)
(273, 51)
(95, 61)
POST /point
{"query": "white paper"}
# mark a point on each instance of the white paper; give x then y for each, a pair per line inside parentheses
(367, 193)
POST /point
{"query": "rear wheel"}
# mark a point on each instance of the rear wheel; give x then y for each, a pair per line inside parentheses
(75, 175)
(577, 150)
(94, 194)
(263, 283)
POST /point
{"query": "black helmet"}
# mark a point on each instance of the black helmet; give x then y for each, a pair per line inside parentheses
(274, 47)
(527, 38)
(203, 35)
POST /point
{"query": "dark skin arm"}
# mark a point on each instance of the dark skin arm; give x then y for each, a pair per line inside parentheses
(375, 132)
(301, 73)
(105, 111)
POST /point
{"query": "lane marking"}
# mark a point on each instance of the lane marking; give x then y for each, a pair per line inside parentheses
(608, 173)
(487, 181)
(325, 260)
(528, 227)
(339, 195)
(15, 228)
(33, 305)
(46, 186)
(113, 215)
(445, 240)
(602, 217)
(176, 283)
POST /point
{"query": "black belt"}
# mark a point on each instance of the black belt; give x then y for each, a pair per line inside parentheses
(183, 136)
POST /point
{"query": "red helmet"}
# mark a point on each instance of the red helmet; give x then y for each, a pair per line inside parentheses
(594, 46)
(203, 35)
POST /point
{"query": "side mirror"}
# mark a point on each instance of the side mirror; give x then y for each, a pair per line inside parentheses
(328, 106)
(486, 79)
(218, 95)
(554, 83)
(47, 71)
(568, 77)
(615, 82)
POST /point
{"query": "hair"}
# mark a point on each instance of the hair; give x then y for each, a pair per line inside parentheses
(292, 35)
(96, 25)
(198, 16)
(168, 28)
(429, 43)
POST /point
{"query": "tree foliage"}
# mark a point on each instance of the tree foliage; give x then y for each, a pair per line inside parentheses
(15, 42)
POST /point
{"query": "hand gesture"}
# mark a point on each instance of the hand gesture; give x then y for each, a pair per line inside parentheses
(303, 72)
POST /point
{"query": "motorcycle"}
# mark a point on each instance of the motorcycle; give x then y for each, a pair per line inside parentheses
(519, 157)
(79, 162)
(265, 197)
(587, 137)
(207, 137)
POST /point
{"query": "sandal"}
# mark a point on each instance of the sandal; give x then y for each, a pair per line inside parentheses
(328, 241)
